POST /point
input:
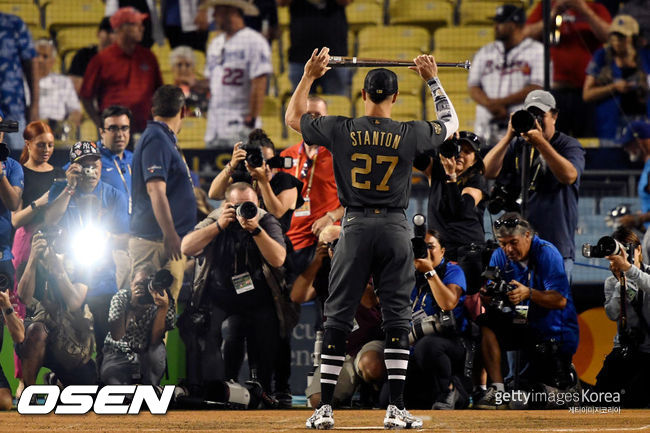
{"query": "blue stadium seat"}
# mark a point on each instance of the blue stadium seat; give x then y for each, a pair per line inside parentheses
(586, 206)
(593, 225)
(609, 203)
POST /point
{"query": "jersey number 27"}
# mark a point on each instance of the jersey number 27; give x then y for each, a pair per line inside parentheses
(367, 169)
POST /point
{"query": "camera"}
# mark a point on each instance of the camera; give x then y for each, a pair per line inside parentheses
(497, 288)
(285, 162)
(254, 156)
(523, 121)
(503, 198)
(7, 126)
(442, 323)
(5, 282)
(607, 246)
(247, 210)
(450, 148)
(419, 231)
(158, 282)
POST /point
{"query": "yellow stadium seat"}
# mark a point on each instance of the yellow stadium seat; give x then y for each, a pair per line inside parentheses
(39, 33)
(403, 37)
(427, 13)
(73, 38)
(272, 107)
(283, 85)
(283, 17)
(200, 62)
(406, 108)
(453, 80)
(481, 11)
(409, 82)
(292, 137)
(352, 43)
(28, 12)
(390, 54)
(273, 128)
(465, 108)
(338, 105)
(454, 54)
(168, 77)
(162, 54)
(463, 37)
(361, 15)
(67, 13)
(192, 133)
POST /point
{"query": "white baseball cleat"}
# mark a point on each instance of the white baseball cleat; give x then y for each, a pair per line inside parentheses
(322, 419)
(400, 418)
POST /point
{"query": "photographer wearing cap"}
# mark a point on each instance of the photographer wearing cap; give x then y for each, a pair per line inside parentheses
(625, 368)
(457, 199)
(555, 163)
(529, 308)
(94, 216)
(139, 317)
(237, 249)
(58, 323)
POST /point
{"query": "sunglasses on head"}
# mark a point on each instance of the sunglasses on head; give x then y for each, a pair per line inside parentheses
(508, 222)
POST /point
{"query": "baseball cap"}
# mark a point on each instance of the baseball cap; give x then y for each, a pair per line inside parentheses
(105, 25)
(510, 13)
(636, 129)
(127, 15)
(625, 25)
(540, 99)
(83, 149)
(470, 138)
(381, 81)
(247, 7)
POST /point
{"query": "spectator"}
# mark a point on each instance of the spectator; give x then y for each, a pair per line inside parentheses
(164, 206)
(457, 200)
(556, 165)
(125, 73)
(549, 335)
(58, 325)
(95, 218)
(583, 28)
(180, 26)
(321, 206)
(318, 24)
(503, 73)
(617, 80)
(438, 355)
(17, 54)
(17, 332)
(237, 255)
(58, 101)
(139, 317)
(81, 59)
(237, 66)
(364, 358)
(153, 31)
(183, 64)
(624, 369)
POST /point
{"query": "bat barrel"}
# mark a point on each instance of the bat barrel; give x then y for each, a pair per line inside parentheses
(354, 62)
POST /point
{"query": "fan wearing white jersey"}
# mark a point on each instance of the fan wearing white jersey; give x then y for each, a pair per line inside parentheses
(503, 73)
(237, 66)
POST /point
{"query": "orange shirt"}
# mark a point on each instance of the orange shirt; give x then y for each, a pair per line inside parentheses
(322, 197)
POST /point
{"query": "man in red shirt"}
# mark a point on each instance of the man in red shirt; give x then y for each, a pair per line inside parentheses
(312, 164)
(125, 73)
(584, 27)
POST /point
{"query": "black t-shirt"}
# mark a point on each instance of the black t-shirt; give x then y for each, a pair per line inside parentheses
(373, 156)
(454, 214)
(281, 182)
(81, 59)
(38, 183)
(317, 23)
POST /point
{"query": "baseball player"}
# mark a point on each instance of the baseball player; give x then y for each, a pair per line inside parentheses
(373, 159)
(237, 64)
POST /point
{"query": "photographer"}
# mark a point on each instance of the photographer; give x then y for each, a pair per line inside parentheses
(279, 192)
(236, 252)
(529, 308)
(139, 317)
(625, 368)
(556, 162)
(95, 218)
(438, 320)
(58, 323)
(457, 200)
(17, 332)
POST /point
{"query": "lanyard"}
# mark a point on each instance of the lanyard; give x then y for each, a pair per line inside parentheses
(313, 168)
(126, 185)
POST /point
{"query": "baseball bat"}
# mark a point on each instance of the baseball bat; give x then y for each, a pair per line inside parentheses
(359, 62)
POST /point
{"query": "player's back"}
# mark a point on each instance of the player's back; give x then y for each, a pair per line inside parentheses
(373, 156)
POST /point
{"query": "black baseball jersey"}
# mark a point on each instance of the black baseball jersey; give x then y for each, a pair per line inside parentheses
(373, 156)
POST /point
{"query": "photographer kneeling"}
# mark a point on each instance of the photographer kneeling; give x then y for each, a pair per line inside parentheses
(58, 323)
(236, 246)
(139, 317)
(529, 308)
(626, 368)
(438, 320)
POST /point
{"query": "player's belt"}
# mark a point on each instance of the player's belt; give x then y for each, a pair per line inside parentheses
(374, 210)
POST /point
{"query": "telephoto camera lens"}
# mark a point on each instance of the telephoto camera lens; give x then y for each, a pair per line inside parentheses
(419, 232)
(522, 121)
(254, 157)
(247, 210)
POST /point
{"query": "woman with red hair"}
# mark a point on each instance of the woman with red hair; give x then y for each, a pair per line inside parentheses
(39, 176)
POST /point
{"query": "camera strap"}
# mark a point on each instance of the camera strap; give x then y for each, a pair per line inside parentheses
(313, 169)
